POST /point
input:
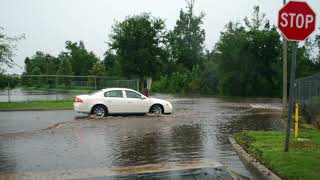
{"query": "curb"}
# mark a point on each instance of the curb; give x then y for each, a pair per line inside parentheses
(35, 109)
(259, 169)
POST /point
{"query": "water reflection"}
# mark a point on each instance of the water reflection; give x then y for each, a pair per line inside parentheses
(131, 147)
(7, 157)
(186, 141)
(254, 122)
(31, 95)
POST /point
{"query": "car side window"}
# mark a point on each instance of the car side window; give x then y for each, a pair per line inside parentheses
(131, 94)
(115, 93)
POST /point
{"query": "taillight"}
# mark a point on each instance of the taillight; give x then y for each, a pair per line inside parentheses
(78, 100)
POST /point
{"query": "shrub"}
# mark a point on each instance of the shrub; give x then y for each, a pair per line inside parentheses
(311, 111)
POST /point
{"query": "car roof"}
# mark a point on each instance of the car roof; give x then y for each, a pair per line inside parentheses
(110, 89)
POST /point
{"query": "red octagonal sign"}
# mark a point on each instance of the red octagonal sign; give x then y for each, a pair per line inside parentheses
(296, 20)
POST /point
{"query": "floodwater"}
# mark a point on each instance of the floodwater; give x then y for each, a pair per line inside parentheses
(197, 130)
(15, 122)
(15, 95)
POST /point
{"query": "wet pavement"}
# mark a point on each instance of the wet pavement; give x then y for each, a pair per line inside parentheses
(198, 130)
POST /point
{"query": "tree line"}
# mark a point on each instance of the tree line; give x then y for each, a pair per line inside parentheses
(246, 60)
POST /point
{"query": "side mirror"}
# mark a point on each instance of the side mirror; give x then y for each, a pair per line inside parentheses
(142, 97)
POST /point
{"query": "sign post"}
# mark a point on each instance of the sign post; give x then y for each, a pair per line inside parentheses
(285, 71)
(291, 93)
(296, 21)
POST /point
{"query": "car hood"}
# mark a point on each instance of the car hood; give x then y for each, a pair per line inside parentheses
(160, 101)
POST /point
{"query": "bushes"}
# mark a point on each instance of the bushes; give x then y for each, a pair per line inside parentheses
(175, 83)
(311, 111)
(6, 80)
(196, 81)
(315, 111)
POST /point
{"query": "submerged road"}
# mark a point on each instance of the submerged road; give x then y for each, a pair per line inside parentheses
(198, 130)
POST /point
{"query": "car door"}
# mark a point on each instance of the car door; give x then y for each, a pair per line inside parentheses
(114, 99)
(135, 102)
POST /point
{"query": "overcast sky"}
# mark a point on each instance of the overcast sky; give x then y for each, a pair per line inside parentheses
(47, 24)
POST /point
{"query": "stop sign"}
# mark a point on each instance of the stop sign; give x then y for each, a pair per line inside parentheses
(296, 20)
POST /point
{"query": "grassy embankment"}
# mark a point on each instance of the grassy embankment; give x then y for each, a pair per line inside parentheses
(36, 105)
(301, 162)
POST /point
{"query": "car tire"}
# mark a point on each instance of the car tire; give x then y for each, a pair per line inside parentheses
(156, 109)
(99, 111)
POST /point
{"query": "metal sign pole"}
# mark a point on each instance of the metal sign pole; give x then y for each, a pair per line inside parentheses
(285, 70)
(291, 93)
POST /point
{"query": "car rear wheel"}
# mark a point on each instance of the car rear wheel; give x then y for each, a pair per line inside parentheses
(99, 111)
(156, 109)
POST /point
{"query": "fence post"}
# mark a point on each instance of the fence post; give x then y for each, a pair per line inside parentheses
(309, 85)
(95, 83)
(299, 92)
(296, 125)
(56, 83)
(9, 91)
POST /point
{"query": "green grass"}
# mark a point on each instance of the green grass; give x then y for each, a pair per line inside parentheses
(36, 105)
(301, 162)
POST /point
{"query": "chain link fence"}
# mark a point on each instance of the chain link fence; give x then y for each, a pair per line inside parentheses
(307, 94)
(307, 88)
(56, 87)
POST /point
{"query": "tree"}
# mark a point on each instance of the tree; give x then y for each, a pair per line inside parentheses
(317, 43)
(65, 68)
(307, 59)
(27, 66)
(45, 64)
(258, 20)
(80, 59)
(112, 65)
(7, 47)
(187, 39)
(98, 69)
(138, 42)
(36, 81)
(252, 65)
(9, 80)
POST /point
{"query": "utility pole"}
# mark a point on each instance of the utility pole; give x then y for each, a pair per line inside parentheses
(285, 70)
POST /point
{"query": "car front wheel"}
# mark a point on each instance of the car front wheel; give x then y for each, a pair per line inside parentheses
(156, 109)
(99, 111)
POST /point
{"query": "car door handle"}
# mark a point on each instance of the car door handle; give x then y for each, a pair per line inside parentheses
(129, 102)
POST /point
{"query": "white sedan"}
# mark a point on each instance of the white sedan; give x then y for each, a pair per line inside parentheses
(119, 101)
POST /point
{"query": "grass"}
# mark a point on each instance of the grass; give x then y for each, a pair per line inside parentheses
(301, 162)
(36, 105)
